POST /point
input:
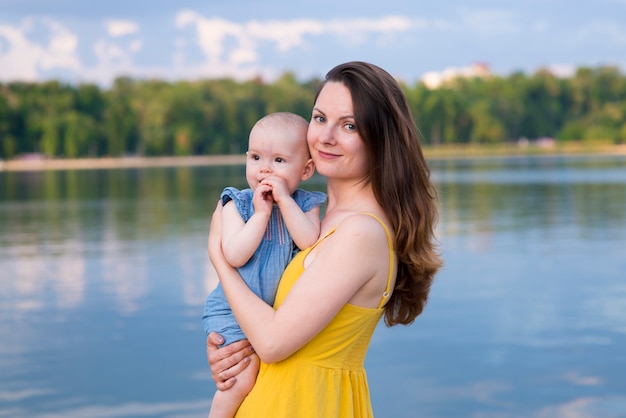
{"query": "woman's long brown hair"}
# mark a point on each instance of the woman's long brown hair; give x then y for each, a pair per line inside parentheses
(400, 178)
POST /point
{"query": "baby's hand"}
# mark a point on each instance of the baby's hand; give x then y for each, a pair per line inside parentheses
(278, 185)
(263, 199)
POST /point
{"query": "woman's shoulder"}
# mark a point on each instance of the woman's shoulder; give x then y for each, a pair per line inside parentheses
(362, 248)
(364, 228)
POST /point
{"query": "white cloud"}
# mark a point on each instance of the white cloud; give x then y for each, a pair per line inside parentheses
(112, 60)
(243, 55)
(116, 28)
(213, 34)
(211, 46)
(109, 53)
(286, 35)
(22, 58)
(62, 49)
(18, 56)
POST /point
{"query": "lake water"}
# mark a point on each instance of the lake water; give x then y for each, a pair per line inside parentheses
(103, 274)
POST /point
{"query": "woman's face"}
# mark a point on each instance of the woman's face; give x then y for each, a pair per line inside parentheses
(336, 146)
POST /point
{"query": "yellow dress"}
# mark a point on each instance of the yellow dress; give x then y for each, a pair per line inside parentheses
(326, 377)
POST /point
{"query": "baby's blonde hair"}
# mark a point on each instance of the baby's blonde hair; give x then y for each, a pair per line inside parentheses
(285, 120)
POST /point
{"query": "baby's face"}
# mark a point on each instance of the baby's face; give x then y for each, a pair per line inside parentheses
(280, 153)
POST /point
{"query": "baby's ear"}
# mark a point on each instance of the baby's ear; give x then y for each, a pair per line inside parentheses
(308, 170)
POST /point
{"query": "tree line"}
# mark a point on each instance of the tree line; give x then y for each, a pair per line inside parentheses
(158, 118)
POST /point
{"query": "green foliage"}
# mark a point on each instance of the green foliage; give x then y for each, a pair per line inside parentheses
(154, 117)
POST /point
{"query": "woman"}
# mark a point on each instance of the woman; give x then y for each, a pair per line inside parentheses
(376, 256)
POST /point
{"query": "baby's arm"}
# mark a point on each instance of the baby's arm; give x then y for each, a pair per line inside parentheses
(241, 239)
(304, 227)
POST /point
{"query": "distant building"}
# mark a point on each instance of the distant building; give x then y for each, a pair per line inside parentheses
(434, 79)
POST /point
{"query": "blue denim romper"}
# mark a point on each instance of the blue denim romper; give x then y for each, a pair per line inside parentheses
(264, 269)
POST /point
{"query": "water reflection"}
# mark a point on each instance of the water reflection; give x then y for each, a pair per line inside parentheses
(528, 193)
(103, 274)
(130, 409)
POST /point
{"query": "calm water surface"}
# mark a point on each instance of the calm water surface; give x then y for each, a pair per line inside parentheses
(103, 274)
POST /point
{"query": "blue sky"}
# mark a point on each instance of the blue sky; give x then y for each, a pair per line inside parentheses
(96, 41)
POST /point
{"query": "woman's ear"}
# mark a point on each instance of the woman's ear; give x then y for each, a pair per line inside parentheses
(308, 170)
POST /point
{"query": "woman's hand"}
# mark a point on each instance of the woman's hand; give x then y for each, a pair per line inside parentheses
(227, 362)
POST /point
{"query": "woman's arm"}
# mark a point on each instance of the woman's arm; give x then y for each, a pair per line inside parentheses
(340, 271)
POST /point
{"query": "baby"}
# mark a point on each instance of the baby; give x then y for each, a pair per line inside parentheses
(263, 227)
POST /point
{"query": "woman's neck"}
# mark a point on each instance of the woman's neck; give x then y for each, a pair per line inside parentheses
(350, 197)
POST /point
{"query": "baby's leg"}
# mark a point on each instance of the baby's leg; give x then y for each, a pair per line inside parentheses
(225, 403)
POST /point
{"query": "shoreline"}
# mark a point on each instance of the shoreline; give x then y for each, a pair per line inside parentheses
(121, 162)
(432, 153)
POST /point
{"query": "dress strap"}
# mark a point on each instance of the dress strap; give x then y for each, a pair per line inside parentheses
(322, 238)
(387, 292)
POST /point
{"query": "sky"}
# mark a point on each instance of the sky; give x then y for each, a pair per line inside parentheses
(82, 41)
